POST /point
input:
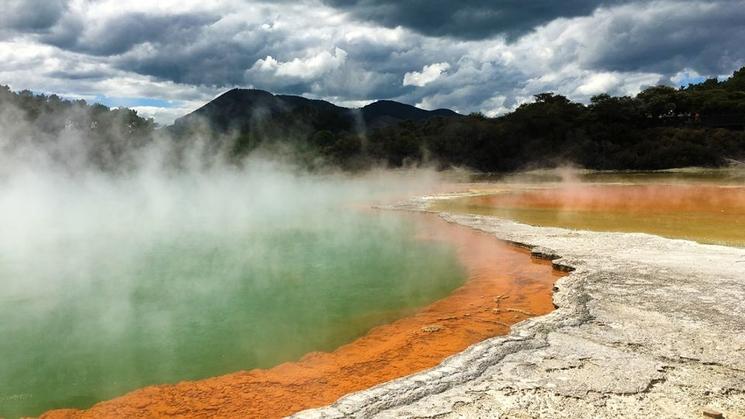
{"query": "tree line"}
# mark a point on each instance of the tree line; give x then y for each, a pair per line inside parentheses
(702, 124)
(662, 127)
(72, 132)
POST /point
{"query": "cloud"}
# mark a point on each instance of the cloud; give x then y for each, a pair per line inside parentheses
(467, 19)
(165, 115)
(578, 57)
(598, 83)
(470, 55)
(307, 68)
(660, 36)
(119, 34)
(428, 74)
(42, 68)
(30, 15)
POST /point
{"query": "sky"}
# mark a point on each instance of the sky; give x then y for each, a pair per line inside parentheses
(166, 58)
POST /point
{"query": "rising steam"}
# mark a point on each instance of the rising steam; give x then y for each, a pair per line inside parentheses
(177, 228)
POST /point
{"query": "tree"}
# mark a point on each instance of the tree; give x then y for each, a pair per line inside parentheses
(659, 101)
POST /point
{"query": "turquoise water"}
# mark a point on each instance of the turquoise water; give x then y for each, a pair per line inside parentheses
(88, 315)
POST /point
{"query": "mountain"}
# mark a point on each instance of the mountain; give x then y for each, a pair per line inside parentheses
(661, 127)
(245, 109)
(388, 112)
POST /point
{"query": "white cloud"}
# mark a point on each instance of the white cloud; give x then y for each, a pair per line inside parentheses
(166, 116)
(309, 48)
(346, 103)
(599, 83)
(428, 74)
(495, 106)
(307, 68)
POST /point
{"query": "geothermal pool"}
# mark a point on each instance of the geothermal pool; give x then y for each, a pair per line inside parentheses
(504, 285)
(708, 211)
(87, 320)
(114, 285)
(254, 289)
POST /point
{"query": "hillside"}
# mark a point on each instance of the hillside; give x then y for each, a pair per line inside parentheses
(72, 133)
(662, 127)
(243, 109)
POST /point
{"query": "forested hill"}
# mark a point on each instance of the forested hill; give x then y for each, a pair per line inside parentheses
(271, 117)
(662, 127)
(71, 132)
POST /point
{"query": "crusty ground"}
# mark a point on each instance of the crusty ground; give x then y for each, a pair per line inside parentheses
(646, 327)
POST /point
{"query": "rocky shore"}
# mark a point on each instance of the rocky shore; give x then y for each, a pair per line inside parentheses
(644, 327)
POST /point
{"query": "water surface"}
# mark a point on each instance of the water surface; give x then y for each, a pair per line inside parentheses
(505, 285)
(89, 318)
(707, 207)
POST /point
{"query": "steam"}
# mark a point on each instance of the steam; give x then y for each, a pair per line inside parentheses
(64, 219)
(52, 185)
(63, 230)
(74, 225)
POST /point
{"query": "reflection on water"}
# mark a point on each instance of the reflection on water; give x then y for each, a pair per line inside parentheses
(706, 206)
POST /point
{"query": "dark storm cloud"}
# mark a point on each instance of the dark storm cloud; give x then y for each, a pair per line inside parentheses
(218, 63)
(473, 55)
(30, 15)
(118, 35)
(80, 74)
(708, 38)
(468, 19)
(206, 55)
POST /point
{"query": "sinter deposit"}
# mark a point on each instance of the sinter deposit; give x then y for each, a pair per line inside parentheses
(645, 327)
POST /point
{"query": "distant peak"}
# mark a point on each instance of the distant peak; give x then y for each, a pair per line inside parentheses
(247, 92)
(387, 102)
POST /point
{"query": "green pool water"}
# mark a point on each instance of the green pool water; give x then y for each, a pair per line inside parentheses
(90, 315)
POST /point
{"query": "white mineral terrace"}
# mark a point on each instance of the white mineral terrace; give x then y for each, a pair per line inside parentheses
(644, 327)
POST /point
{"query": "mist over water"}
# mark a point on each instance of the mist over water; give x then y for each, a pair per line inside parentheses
(705, 205)
(113, 280)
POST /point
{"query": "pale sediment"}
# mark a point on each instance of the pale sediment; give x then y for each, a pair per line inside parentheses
(645, 327)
